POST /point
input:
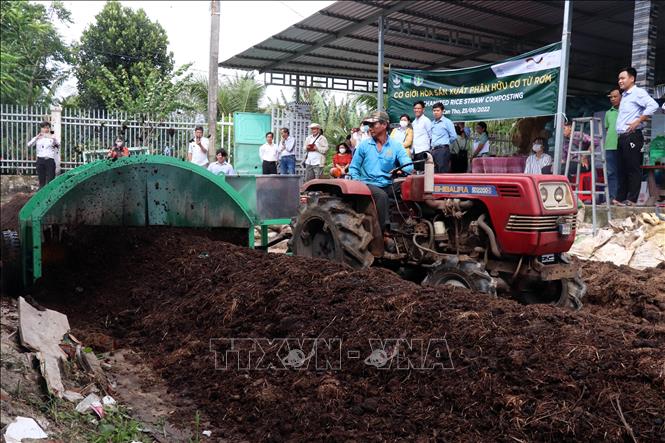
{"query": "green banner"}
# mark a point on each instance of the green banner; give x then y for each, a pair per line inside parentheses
(522, 86)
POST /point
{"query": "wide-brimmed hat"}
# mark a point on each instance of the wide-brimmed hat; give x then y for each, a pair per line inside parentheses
(315, 125)
(377, 116)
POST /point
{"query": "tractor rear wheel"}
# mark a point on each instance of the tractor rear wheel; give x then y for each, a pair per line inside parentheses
(10, 273)
(329, 228)
(464, 274)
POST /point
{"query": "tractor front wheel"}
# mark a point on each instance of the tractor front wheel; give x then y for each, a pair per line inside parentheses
(564, 293)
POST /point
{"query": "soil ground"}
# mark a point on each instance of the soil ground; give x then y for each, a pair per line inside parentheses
(487, 370)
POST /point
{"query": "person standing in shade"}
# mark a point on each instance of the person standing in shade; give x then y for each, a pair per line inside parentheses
(404, 133)
(636, 107)
(422, 135)
(198, 148)
(459, 151)
(481, 141)
(269, 154)
(287, 153)
(443, 133)
(221, 166)
(539, 159)
(47, 149)
(316, 146)
(611, 142)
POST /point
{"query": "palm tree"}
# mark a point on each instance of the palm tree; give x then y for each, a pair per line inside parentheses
(237, 94)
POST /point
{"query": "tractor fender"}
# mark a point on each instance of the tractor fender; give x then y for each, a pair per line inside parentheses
(336, 186)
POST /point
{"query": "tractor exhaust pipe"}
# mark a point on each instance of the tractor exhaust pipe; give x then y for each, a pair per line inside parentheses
(428, 188)
(490, 235)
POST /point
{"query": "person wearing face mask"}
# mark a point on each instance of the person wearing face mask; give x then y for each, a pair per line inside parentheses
(539, 159)
(118, 149)
(341, 161)
(404, 133)
(359, 134)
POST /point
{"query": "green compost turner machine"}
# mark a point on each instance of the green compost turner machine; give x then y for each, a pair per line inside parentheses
(143, 191)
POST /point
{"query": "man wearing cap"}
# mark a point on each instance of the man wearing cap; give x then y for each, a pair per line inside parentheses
(316, 147)
(373, 160)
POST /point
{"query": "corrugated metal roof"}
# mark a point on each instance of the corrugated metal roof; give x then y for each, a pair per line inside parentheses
(429, 34)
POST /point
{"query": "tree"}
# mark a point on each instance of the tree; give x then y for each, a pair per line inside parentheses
(32, 53)
(120, 40)
(237, 94)
(146, 94)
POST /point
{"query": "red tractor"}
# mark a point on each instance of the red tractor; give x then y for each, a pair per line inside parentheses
(504, 233)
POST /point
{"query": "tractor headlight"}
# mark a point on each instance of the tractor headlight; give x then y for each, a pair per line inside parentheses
(556, 195)
(543, 194)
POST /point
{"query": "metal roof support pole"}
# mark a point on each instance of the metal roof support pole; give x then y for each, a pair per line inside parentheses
(379, 76)
(563, 84)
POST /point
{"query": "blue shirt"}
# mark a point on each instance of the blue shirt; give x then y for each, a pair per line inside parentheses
(373, 167)
(443, 132)
(635, 102)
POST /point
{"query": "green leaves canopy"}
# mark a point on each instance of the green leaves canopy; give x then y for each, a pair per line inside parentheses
(124, 42)
(32, 53)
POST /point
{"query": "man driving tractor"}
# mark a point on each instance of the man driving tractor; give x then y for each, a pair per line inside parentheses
(373, 161)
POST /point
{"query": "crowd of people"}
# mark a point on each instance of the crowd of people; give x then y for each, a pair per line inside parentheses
(451, 144)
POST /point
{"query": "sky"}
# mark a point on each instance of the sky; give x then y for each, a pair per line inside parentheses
(187, 24)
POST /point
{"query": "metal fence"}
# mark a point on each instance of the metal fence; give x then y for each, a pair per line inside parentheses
(18, 124)
(91, 131)
(297, 117)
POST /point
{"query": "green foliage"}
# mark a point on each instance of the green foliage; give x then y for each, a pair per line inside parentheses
(32, 53)
(146, 95)
(127, 45)
(117, 426)
(237, 94)
(146, 91)
(337, 119)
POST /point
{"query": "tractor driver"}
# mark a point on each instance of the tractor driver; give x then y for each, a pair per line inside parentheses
(373, 160)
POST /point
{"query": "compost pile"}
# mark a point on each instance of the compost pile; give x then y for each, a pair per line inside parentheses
(505, 372)
(10, 210)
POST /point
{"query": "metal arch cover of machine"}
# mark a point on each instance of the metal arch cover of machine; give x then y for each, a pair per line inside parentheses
(148, 190)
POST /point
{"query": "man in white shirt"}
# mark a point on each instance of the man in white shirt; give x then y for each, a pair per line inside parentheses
(287, 153)
(316, 146)
(198, 148)
(269, 153)
(635, 109)
(221, 166)
(422, 135)
(48, 149)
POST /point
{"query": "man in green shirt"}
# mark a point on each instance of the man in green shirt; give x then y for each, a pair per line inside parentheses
(611, 142)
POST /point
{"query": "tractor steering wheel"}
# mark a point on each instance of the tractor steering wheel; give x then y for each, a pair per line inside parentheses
(394, 172)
